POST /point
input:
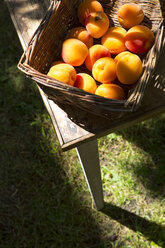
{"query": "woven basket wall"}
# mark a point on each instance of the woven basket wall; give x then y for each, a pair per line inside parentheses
(45, 48)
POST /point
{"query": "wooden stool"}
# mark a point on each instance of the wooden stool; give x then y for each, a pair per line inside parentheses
(74, 128)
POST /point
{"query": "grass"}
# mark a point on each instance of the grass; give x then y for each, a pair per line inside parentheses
(44, 199)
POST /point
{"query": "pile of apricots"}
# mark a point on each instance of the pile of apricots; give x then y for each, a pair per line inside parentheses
(115, 58)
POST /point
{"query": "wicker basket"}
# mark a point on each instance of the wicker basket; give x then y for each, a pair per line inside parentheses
(45, 47)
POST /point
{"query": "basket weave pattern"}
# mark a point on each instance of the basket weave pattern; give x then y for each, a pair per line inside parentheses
(45, 48)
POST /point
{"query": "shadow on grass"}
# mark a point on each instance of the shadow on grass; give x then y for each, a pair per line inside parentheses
(39, 206)
(151, 230)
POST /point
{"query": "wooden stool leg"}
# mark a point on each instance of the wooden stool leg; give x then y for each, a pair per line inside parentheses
(89, 158)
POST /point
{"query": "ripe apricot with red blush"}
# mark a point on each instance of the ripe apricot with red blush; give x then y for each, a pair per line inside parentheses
(97, 24)
(85, 82)
(96, 52)
(139, 39)
(87, 7)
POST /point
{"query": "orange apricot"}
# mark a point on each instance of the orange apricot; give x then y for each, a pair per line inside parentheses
(112, 91)
(130, 14)
(120, 55)
(96, 52)
(114, 40)
(74, 52)
(104, 70)
(85, 82)
(63, 72)
(82, 34)
(97, 24)
(139, 39)
(86, 7)
(129, 68)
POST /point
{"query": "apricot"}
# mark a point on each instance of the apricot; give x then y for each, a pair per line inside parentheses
(139, 39)
(86, 7)
(114, 40)
(74, 52)
(130, 14)
(120, 55)
(129, 68)
(96, 52)
(112, 91)
(104, 70)
(97, 24)
(81, 33)
(63, 72)
(85, 82)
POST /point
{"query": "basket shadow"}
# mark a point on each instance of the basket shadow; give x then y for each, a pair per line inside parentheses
(151, 230)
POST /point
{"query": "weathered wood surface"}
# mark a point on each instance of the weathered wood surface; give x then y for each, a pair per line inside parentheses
(74, 126)
(26, 16)
(89, 158)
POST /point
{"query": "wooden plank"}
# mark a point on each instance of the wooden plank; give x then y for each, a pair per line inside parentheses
(74, 126)
(113, 128)
(26, 16)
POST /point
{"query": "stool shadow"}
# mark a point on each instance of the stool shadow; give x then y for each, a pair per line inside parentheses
(151, 230)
